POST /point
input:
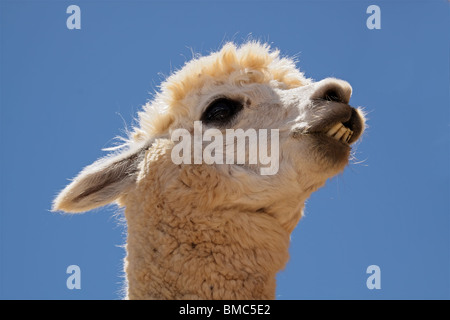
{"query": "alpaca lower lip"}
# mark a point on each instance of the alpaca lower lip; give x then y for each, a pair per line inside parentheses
(332, 141)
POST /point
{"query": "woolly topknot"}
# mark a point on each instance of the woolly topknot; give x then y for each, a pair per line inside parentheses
(252, 62)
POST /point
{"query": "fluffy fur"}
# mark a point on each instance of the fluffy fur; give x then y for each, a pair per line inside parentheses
(219, 231)
(251, 63)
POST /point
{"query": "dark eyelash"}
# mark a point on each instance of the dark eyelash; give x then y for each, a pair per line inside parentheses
(221, 111)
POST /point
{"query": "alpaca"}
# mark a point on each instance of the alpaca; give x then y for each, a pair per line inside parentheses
(220, 230)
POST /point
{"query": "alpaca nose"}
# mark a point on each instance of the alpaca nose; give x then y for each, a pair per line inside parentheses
(332, 89)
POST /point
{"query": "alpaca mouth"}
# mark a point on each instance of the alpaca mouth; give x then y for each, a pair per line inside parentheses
(340, 133)
(345, 126)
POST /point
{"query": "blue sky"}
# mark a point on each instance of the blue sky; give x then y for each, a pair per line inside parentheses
(66, 93)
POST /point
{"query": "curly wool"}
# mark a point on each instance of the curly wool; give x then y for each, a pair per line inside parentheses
(202, 253)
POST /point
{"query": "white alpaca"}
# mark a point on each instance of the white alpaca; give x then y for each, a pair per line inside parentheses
(220, 231)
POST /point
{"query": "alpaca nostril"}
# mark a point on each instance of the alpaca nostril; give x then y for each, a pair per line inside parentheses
(332, 95)
(333, 90)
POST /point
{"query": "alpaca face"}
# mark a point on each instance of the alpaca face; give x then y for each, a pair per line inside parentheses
(251, 89)
(314, 123)
(316, 128)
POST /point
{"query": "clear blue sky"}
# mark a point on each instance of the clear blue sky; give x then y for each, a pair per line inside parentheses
(66, 93)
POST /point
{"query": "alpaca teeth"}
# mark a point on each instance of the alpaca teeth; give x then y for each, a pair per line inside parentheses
(349, 136)
(345, 136)
(334, 129)
(340, 132)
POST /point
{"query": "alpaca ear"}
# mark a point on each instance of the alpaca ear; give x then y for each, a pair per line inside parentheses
(101, 183)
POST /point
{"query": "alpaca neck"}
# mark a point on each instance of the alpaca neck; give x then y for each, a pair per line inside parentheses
(190, 254)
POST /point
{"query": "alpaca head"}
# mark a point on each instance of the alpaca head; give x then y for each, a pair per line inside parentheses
(308, 128)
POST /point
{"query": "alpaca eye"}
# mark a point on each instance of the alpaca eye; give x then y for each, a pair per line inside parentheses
(221, 111)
